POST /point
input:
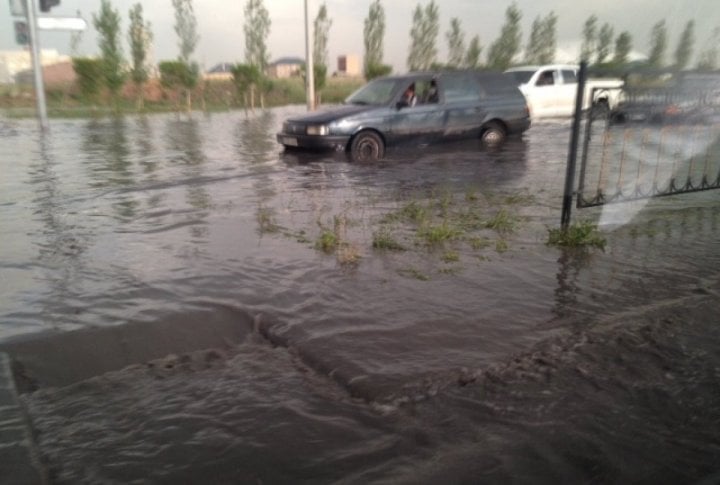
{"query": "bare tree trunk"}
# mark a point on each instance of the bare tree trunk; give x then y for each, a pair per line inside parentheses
(140, 106)
(188, 100)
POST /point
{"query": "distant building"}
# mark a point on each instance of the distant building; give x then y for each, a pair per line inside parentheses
(285, 67)
(349, 65)
(220, 71)
(15, 62)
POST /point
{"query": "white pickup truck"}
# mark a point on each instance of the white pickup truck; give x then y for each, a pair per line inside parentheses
(551, 90)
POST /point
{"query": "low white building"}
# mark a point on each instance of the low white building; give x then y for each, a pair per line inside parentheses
(14, 62)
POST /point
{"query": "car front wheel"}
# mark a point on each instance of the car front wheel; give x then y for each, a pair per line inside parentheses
(367, 146)
(493, 134)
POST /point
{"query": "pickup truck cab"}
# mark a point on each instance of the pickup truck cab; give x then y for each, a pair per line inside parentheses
(550, 90)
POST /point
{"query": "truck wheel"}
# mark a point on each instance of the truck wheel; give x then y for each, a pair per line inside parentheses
(493, 134)
(367, 146)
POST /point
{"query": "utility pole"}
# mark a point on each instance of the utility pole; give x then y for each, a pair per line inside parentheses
(37, 64)
(309, 69)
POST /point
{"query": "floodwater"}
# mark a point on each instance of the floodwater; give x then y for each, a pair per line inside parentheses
(175, 320)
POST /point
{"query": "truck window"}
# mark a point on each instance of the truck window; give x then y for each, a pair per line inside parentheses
(546, 78)
(569, 77)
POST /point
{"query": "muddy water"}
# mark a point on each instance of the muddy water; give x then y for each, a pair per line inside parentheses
(174, 319)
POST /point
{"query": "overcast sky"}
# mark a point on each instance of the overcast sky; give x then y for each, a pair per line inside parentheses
(220, 24)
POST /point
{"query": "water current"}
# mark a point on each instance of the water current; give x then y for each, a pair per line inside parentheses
(178, 315)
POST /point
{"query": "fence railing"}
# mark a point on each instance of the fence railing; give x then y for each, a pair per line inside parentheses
(657, 141)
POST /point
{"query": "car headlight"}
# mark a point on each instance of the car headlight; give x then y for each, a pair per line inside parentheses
(317, 130)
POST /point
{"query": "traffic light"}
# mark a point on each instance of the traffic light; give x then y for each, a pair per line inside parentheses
(21, 33)
(46, 5)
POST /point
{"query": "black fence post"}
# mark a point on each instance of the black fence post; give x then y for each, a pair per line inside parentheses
(572, 153)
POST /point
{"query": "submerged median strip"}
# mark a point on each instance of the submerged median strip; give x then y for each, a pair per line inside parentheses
(451, 228)
(442, 228)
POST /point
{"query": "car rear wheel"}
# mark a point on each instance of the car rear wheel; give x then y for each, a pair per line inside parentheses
(367, 146)
(493, 134)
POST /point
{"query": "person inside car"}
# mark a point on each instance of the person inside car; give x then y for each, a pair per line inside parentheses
(433, 96)
(408, 97)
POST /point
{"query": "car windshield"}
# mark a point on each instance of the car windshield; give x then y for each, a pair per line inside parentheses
(521, 77)
(378, 92)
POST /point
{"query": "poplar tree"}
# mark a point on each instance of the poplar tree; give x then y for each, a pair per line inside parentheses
(107, 24)
(321, 32)
(684, 49)
(623, 46)
(542, 43)
(456, 44)
(549, 39)
(373, 34)
(188, 38)
(423, 37)
(257, 29)
(186, 29)
(708, 59)
(139, 38)
(589, 35)
(658, 44)
(472, 56)
(534, 47)
(604, 42)
(507, 45)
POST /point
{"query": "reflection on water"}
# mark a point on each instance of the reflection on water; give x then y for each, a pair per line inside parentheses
(144, 223)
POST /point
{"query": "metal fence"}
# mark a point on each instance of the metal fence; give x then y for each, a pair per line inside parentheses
(656, 141)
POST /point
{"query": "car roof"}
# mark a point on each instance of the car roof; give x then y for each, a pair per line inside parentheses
(445, 73)
(545, 66)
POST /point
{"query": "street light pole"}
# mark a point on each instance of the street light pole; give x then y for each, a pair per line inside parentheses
(309, 69)
(37, 64)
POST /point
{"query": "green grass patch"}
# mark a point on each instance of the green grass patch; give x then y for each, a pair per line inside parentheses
(266, 220)
(383, 239)
(502, 222)
(327, 241)
(438, 234)
(451, 256)
(410, 212)
(577, 235)
(520, 199)
(414, 273)
(501, 246)
(478, 243)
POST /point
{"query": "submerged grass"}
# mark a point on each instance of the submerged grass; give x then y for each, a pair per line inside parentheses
(502, 222)
(383, 239)
(429, 221)
(577, 235)
(266, 220)
(327, 241)
(437, 234)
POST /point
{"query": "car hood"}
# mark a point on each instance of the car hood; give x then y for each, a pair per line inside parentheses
(332, 114)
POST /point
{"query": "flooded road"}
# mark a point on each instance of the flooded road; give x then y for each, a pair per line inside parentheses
(169, 290)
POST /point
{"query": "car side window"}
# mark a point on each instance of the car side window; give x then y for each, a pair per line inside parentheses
(547, 78)
(569, 76)
(462, 89)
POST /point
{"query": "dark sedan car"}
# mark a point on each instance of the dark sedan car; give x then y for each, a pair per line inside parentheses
(691, 98)
(423, 107)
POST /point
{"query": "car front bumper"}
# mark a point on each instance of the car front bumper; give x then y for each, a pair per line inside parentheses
(337, 142)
